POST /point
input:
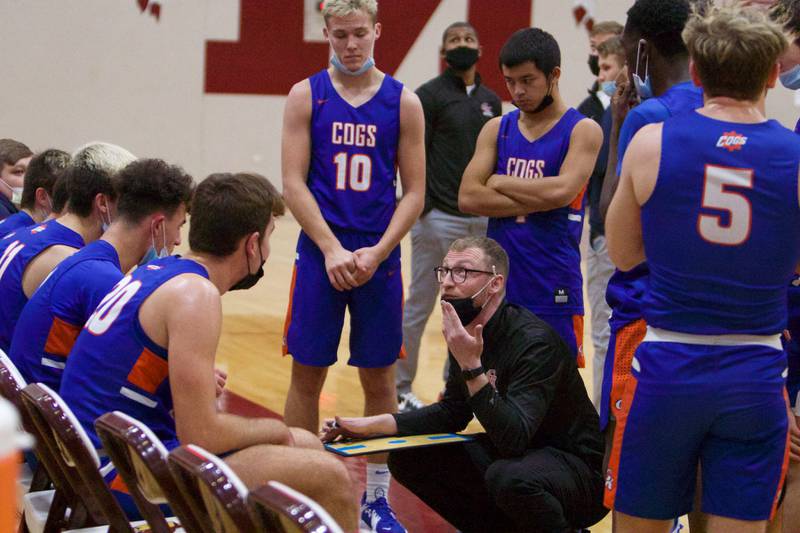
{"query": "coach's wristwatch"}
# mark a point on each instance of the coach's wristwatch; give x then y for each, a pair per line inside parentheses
(472, 373)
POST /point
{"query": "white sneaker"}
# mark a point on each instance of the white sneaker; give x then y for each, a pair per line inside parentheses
(408, 402)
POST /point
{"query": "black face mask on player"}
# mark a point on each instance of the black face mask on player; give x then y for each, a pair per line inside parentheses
(594, 64)
(547, 101)
(250, 279)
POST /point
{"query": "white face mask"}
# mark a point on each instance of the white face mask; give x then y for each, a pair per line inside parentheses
(16, 192)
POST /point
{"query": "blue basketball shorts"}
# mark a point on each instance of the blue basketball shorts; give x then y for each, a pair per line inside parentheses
(721, 407)
(569, 328)
(316, 311)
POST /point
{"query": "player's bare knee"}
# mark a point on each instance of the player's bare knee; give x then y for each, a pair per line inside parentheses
(378, 383)
(305, 439)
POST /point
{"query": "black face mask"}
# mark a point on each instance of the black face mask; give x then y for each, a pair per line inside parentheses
(461, 58)
(465, 307)
(250, 279)
(546, 102)
(594, 64)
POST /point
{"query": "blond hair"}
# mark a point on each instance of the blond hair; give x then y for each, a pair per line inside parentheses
(606, 27)
(612, 47)
(342, 8)
(734, 49)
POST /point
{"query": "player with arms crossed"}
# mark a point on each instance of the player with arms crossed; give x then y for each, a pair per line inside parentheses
(345, 129)
(528, 174)
(720, 229)
(164, 323)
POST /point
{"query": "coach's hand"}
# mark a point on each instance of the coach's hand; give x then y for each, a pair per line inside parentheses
(340, 265)
(465, 347)
(358, 428)
(367, 262)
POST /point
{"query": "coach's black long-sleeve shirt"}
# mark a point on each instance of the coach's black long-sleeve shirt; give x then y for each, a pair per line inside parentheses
(535, 397)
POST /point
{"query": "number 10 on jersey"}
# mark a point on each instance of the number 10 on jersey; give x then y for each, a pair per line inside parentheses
(353, 171)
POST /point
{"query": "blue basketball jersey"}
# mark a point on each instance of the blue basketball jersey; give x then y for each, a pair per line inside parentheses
(14, 222)
(114, 365)
(543, 248)
(17, 249)
(353, 168)
(722, 227)
(57, 311)
(626, 289)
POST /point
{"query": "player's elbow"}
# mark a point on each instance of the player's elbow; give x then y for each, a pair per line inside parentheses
(624, 257)
(468, 202)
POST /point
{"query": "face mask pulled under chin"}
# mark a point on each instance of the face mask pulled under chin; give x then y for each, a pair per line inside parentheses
(338, 65)
(465, 307)
(250, 279)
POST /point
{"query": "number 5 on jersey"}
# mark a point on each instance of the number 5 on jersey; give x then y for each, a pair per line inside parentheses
(718, 196)
(355, 170)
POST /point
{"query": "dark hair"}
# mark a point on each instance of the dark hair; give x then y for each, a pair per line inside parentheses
(660, 22)
(148, 186)
(43, 171)
(60, 194)
(495, 254)
(787, 13)
(12, 151)
(455, 25)
(534, 45)
(228, 207)
(89, 174)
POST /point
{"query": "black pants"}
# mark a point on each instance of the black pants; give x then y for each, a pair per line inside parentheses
(546, 490)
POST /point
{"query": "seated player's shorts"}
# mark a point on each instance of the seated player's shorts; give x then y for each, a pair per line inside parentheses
(720, 406)
(570, 328)
(792, 349)
(316, 310)
(622, 345)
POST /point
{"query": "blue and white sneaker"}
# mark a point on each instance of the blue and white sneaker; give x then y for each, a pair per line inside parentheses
(378, 517)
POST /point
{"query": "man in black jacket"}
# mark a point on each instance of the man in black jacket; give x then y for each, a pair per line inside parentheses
(456, 106)
(539, 465)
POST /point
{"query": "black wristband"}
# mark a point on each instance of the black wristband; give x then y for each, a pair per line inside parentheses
(472, 373)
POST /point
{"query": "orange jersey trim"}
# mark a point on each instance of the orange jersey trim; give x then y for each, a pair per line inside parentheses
(627, 341)
(612, 473)
(149, 371)
(577, 328)
(61, 337)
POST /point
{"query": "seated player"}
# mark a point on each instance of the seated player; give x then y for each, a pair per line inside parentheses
(720, 229)
(27, 256)
(162, 325)
(59, 197)
(36, 204)
(14, 159)
(152, 199)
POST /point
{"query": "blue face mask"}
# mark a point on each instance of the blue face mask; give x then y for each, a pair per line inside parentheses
(103, 225)
(791, 78)
(368, 64)
(609, 87)
(151, 254)
(643, 88)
